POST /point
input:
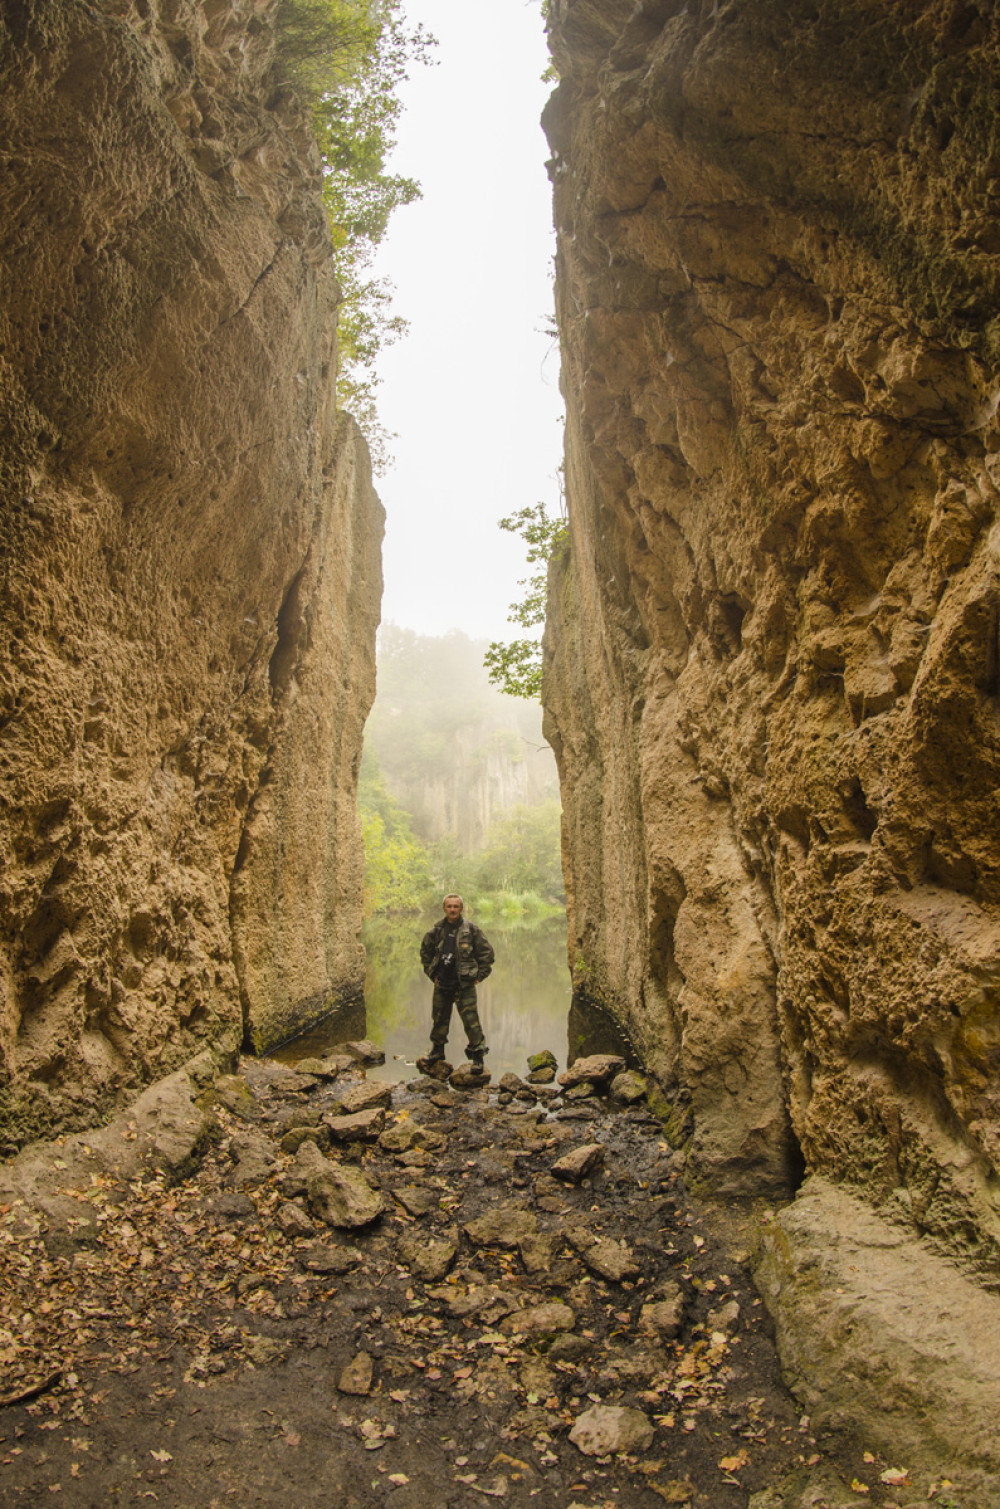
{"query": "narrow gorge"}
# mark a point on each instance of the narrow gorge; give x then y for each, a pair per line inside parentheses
(772, 687)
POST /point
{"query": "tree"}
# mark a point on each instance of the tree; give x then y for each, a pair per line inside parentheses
(348, 59)
(516, 666)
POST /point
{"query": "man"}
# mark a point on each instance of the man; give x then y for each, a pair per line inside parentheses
(456, 954)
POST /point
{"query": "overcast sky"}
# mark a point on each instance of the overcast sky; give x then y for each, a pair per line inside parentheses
(472, 390)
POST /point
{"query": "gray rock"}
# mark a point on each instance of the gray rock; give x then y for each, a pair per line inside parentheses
(404, 1135)
(537, 1321)
(598, 1068)
(418, 1202)
(505, 1226)
(541, 1076)
(538, 1062)
(429, 1261)
(511, 1083)
(883, 1337)
(321, 1068)
(295, 1136)
(363, 1052)
(254, 1157)
(606, 1429)
(363, 1126)
(581, 1091)
(538, 1252)
(628, 1088)
(356, 1378)
(297, 1116)
(320, 1258)
(295, 1084)
(465, 1077)
(233, 1092)
(608, 1259)
(366, 1097)
(342, 1197)
(664, 1315)
(293, 1220)
(574, 1166)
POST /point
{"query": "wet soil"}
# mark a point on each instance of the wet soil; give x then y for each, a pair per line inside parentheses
(200, 1330)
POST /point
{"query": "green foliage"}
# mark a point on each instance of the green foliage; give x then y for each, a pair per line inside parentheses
(516, 666)
(523, 852)
(397, 868)
(348, 59)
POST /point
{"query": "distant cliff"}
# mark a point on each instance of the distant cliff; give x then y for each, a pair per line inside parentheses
(189, 550)
(456, 753)
(773, 669)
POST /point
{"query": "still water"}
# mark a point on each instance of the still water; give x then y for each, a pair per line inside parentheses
(524, 1006)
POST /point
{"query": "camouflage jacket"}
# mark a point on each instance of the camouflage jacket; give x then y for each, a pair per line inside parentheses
(474, 950)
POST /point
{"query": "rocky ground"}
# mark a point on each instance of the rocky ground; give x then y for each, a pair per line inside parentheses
(359, 1294)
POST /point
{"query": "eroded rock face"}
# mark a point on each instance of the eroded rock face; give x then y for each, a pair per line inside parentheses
(189, 541)
(773, 674)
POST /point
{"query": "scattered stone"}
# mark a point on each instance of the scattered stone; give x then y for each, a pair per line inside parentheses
(574, 1166)
(444, 1100)
(465, 1077)
(538, 1062)
(418, 1202)
(542, 1076)
(628, 1088)
(538, 1252)
(417, 1157)
(527, 1094)
(254, 1157)
(607, 1258)
(598, 1068)
(363, 1126)
(230, 1207)
(429, 1261)
(321, 1258)
(438, 1068)
(582, 1091)
(578, 1113)
(293, 1220)
(366, 1097)
(295, 1136)
(297, 1116)
(723, 1318)
(404, 1135)
(322, 1068)
(663, 1315)
(356, 1378)
(363, 1052)
(233, 1092)
(505, 1226)
(342, 1197)
(511, 1083)
(536, 1321)
(570, 1348)
(607, 1429)
(295, 1084)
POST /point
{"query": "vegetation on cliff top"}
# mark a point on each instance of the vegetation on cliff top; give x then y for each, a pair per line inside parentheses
(348, 58)
(516, 666)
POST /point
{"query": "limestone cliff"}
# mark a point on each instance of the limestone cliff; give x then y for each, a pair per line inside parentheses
(190, 555)
(773, 671)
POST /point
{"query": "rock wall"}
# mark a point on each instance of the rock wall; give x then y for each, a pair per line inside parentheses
(190, 556)
(773, 671)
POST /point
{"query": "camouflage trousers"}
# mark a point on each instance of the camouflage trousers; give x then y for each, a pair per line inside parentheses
(465, 998)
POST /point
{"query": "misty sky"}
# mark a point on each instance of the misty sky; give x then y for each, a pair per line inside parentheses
(472, 390)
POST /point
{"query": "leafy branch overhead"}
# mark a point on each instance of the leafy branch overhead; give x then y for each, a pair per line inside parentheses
(515, 666)
(347, 58)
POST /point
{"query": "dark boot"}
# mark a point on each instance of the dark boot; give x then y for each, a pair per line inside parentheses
(475, 1057)
(436, 1054)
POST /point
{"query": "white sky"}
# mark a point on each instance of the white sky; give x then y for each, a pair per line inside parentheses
(472, 389)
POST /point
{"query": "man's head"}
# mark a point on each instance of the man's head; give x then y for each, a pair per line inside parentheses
(453, 908)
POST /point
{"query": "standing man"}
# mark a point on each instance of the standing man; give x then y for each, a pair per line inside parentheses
(456, 954)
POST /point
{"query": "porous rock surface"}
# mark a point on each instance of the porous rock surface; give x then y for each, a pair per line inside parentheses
(189, 542)
(772, 669)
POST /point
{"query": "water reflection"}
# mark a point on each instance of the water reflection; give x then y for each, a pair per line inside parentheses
(524, 1005)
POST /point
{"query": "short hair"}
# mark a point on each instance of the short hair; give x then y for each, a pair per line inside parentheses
(452, 896)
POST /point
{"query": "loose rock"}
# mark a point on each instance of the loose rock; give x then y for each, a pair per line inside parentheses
(356, 1378)
(538, 1062)
(611, 1428)
(505, 1226)
(363, 1126)
(535, 1321)
(574, 1166)
(367, 1097)
(343, 1197)
(608, 1259)
(599, 1068)
(363, 1052)
(429, 1261)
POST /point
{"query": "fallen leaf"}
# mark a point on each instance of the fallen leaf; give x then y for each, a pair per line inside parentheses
(733, 1464)
(896, 1477)
(397, 1479)
(857, 1487)
(162, 1456)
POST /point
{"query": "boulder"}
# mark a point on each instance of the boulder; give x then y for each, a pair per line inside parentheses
(465, 1077)
(541, 1076)
(598, 1068)
(504, 1226)
(537, 1062)
(607, 1258)
(296, 1136)
(368, 1096)
(511, 1083)
(628, 1088)
(363, 1126)
(574, 1166)
(429, 1261)
(342, 1197)
(537, 1321)
(610, 1428)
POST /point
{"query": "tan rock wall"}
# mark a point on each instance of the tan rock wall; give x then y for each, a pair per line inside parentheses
(773, 677)
(190, 574)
